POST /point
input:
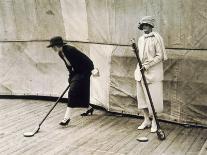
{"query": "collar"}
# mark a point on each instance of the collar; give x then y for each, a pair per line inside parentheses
(151, 34)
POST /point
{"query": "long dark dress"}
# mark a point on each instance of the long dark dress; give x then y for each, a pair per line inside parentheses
(79, 76)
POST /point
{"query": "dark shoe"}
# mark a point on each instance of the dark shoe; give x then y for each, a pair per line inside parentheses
(90, 111)
(64, 122)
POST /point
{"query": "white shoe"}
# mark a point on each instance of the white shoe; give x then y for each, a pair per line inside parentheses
(64, 122)
(154, 127)
(144, 125)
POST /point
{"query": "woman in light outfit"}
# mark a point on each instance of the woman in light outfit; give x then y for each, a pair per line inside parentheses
(152, 53)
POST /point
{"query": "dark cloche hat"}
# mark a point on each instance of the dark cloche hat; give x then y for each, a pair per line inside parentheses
(56, 41)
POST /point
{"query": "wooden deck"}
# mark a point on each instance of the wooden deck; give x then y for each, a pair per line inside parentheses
(100, 134)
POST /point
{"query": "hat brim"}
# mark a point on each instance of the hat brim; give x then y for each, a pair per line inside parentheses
(140, 26)
(52, 45)
(49, 46)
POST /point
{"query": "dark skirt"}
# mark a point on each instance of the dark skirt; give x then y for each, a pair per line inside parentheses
(79, 92)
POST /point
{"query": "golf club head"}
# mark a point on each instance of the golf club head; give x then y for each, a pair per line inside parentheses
(160, 134)
(32, 133)
(28, 134)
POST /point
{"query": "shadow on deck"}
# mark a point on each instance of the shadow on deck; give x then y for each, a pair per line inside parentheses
(101, 133)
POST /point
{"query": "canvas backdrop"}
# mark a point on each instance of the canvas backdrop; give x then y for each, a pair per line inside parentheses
(102, 29)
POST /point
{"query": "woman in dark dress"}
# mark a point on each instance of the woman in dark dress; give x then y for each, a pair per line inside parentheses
(79, 67)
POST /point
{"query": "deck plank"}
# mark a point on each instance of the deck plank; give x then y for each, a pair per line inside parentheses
(101, 133)
(154, 142)
(105, 138)
(178, 142)
(198, 143)
(79, 139)
(122, 137)
(56, 131)
(19, 128)
(203, 150)
(72, 134)
(169, 140)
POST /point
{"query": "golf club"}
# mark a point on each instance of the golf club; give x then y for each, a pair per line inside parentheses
(32, 133)
(160, 133)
